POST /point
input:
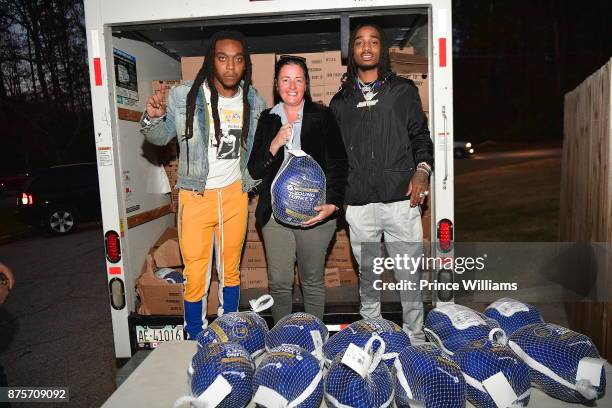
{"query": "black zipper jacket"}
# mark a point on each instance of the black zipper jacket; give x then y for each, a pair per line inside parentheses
(319, 137)
(384, 141)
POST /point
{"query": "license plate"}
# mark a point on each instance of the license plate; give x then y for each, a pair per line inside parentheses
(151, 336)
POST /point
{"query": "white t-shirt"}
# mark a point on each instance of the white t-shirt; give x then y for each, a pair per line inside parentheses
(224, 158)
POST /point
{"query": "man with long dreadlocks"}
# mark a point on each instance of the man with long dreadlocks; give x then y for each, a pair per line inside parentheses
(390, 156)
(212, 175)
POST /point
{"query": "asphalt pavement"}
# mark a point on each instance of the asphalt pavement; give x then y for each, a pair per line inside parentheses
(55, 326)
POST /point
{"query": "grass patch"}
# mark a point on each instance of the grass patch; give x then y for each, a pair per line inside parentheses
(518, 202)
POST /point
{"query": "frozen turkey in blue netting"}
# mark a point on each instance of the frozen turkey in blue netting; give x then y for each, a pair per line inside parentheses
(248, 329)
(453, 326)
(288, 376)
(222, 377)
(512, 314)
(425, 376)
(359, 378)
(564, 364)
(299, 186)
(494, 374)
(169, 275)
(360, 332)
(300, 329)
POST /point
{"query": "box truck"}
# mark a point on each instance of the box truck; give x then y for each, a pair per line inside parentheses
(131, 44)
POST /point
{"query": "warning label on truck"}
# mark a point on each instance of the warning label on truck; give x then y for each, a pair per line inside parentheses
(125, 77)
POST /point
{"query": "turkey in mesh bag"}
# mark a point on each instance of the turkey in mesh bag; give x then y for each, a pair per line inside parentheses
(222, 377)
(564, 364)
(300, 329)
(360, 332)
(495, 376)
(453, 326)
(512, 314)
(288, 377)
(358, 378)
(245, 328)
(426, 377)
(299, 186)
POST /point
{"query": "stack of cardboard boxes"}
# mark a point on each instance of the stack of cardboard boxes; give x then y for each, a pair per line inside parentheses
(253, 267)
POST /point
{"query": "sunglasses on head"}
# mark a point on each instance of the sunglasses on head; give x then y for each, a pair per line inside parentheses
(292, 57)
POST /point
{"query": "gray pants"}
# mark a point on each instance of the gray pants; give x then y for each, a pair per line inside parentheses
(403, 233)
(283, 245)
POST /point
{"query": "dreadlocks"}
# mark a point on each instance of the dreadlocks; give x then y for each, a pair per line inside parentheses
(384, 64)
(206, 73)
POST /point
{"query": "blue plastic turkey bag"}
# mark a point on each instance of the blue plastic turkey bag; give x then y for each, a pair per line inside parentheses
(222, 377)
(245, 328)
(298, 187)
(288, 376)
(495, 376)
(564, 364)
(425, 376)
(360, 332)
(512, 314)
(453, 326)
(300, 329)
(358, 378)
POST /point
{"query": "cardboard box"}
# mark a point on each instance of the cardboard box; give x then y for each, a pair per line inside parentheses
(168, 254)
(213, 299)
(253, 204)
(329, 92)
(404, 62)
(422, 83)
(332, 277)
(252, 233)
(157, 296)
(164, 87)
(318, 94)
(253, 255)
(342, 235)
(340, 256)
(348, 277)
(333, 68)
(267, 92)
(262, 74)
(251, 278)
(190, 66)
(406, 50)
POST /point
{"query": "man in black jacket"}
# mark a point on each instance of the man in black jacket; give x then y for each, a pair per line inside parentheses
(390, 157)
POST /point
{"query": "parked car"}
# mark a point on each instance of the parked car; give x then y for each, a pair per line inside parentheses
(59, 198)
(462, 149)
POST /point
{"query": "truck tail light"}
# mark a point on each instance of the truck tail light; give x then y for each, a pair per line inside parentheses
(445, 235)
(112, 245)
(27, 199)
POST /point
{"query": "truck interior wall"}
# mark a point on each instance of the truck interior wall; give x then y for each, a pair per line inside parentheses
(141, 171)
(138, 159)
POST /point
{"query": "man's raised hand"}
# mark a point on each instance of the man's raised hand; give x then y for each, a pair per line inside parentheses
(156, 105)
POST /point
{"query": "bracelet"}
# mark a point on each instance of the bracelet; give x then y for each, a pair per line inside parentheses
(424, 170)
(425, 166)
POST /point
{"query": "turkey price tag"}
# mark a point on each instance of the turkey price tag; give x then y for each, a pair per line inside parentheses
(500, 390)
(216, 392)
(589, 368)
(357, 359)
(297, 152)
